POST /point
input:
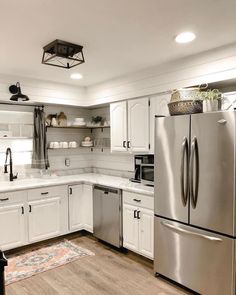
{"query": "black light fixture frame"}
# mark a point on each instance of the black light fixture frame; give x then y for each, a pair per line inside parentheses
(62, 54)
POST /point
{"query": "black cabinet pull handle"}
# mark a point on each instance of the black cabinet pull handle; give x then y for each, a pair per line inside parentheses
(70, 191)
(3, 200)
(22, 210)
(46, 193)
(128, 144)
(30, 209)
(137, 200)
(124, 144)
(135, 213)
(138, 214)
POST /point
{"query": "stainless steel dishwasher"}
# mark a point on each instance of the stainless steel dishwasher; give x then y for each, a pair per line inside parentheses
(107, 215)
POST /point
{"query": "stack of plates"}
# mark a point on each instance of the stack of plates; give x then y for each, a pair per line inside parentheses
(87, 143)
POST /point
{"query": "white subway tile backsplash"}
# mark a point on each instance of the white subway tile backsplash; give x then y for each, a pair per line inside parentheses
(81, 159)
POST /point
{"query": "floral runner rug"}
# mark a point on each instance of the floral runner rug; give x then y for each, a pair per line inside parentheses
(30, 263)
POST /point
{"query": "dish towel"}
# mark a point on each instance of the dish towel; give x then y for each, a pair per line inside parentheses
(40, 153)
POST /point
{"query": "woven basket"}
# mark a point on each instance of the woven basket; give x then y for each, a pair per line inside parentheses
(185, 107)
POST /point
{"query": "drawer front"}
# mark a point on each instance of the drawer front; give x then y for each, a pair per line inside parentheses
(197, 259)
(47, 192)
(13, 197)
(138, 200)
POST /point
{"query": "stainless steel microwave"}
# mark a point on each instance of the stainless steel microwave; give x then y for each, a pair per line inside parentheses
(144, 169)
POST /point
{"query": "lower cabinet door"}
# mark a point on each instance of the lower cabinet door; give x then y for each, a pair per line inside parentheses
(197, 259)
(146, 232)
(88, 207)
(12, 226)
(130, 227)
(44, 219)
(76, 209)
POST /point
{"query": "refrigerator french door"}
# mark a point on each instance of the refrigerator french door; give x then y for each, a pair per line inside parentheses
(195, 201)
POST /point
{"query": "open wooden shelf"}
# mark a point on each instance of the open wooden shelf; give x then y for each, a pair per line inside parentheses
(78, 127)
(14, 137)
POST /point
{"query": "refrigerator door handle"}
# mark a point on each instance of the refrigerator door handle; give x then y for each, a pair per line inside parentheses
(184, 164)
(179, 229)
(194, 163)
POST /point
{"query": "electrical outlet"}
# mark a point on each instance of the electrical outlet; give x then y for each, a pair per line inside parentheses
(67, 162)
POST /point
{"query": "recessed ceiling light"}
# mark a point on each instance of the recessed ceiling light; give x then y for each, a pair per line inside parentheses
(185, 37)
(76, 76)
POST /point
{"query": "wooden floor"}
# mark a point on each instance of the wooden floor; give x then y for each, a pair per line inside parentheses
(109, 272)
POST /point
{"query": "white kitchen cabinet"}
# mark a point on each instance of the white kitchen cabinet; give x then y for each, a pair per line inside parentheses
(130, 228)
(146, 232)
(44, 219)
(158, 107)
(47, 212)
(138, 223)
(13, 220)
(76, 207)
(81, 207)
(138, 125)
(118, 121)
(88, 207)
(130, 126)
(12, 226)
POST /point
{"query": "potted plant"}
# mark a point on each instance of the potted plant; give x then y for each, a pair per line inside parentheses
(211, 100)
(98, 120)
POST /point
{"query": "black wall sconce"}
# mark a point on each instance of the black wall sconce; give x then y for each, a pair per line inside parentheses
(62, 54)
(17, 95)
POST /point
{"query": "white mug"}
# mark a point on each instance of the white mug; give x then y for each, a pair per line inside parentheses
(74, 144)
(51, 145)
(65, 145)
(56, 145)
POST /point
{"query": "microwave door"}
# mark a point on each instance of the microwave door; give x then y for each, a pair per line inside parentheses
(171, 167)
(147, 174)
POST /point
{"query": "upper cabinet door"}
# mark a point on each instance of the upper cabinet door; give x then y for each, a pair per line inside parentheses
(118, 118)
(213, 164)
(138, 125)
(158, 107)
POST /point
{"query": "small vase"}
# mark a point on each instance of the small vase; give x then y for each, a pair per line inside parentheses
(211, 106)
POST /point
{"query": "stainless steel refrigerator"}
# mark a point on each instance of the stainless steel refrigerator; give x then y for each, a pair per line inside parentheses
(195, 226)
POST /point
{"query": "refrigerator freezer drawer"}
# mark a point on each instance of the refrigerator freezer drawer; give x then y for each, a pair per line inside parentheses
(197, 259)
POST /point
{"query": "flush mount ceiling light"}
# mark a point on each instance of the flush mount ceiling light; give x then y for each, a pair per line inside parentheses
(17, 95)
(63, 54)
(185, 37)
(76, 76)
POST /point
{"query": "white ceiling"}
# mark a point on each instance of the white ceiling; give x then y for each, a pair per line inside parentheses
(119, 36)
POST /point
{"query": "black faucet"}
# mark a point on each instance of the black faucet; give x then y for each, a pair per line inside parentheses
(11, 176)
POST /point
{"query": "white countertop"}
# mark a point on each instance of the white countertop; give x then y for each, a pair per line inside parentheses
(89, 178)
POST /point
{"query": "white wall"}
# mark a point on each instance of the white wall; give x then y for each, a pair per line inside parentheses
(214, 65)
(43, 91)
